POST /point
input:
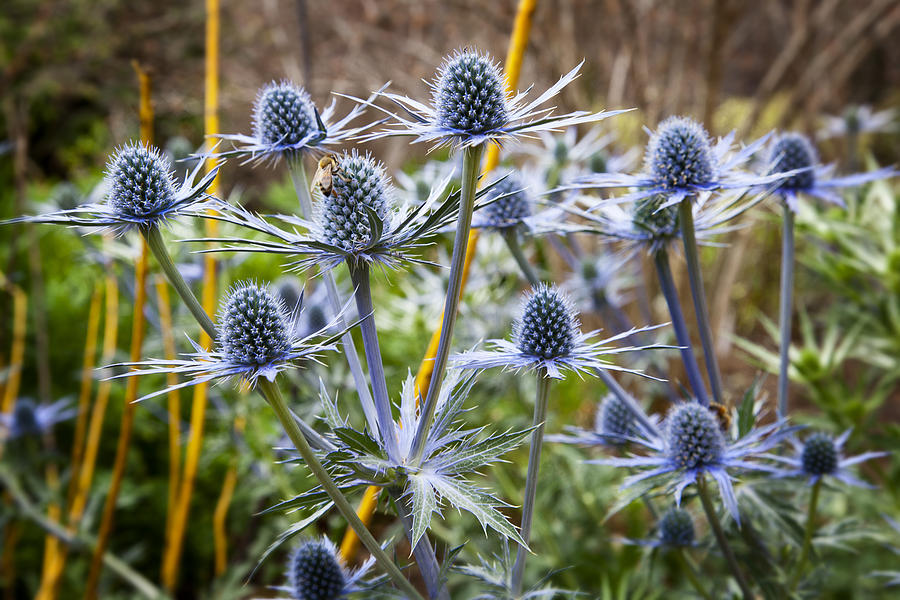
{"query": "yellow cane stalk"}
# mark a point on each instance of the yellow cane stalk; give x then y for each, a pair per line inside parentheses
(512, 68)
(175, 535)
(220, 535)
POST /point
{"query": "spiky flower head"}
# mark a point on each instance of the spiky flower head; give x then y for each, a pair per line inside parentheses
(614, 418)
(676, 528)
(67, 196)
(283, 114)
(794, 151)
(28, 418)
(140, 182)
(469, 95)
(359, 187)
(598, 162)
(513, 204)
(679, 154)
(25, 417)
(254, 326)
(693, 436)
(315, 572)
(649, 217)
(548, 326)
(819, 455)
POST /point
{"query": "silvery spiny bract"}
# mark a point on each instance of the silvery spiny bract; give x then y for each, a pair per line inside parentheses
(141, 193)
(679, 154)
(820, 455)
(360, 188)
(547, 336)
(284, 114)
(469, 106)
(676, 528)
(856, 120)
(794, 150)
(257, 337)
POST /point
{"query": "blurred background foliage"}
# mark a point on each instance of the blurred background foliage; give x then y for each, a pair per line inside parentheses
(69, 96)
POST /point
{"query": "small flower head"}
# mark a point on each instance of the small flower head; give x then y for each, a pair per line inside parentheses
(693, 436)
(469, 95)
(547, 326)
(679, 154)
(66, 196)
(614, 419)
(253, 326)
(676, 528)
(820, 455)
(315, 572)
(283, 114)
(794, 151)
(509, 204)
(28, 418)
(360, 187)
(656, 221)
(141, 184)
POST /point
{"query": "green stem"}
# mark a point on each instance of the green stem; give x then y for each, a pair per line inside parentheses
(273, 396)
(784, 309)
(158, 248)
(531, 481)
(716, 526)
(807, 536)
(688, 236)
(688, 569)
(511, 235)
(471, 167)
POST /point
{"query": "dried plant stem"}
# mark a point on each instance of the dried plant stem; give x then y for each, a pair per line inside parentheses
(301, 186)
(807, 535)
(784, 308)
(531, 479)
(273, 396)
(688, 236)
(719, 533)
(667, 284)
(471, 167)
(127, 423)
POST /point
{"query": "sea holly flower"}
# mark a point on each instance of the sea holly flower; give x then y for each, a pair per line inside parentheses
(857, 120)
(510, 204)
(681, 161)
(469, 107)
(141, 194)
(358, 222)
(793, 151)
(674, 530)
(28, 418)
(548, 336)
(286, 124)
(256, 337)
(820, 455)
(690, 445)
(614, 424)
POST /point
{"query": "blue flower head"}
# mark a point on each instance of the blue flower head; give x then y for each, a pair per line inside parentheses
(28, 418)
(509, 204)
(284, 114)
(821, 455)
(253, 327)
(676, 528)
(548, 326)
(614, 420)
(469, 95)
(694, 439)
(794, 151)
(679, 154)
(650, 216)
(360, 188)
(315, 573)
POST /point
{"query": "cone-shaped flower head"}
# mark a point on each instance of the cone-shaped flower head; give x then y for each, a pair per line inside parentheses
(315, 573)
(676, 528)
(679, 154)
(512, 207)
(25, 417)
(28, 418)
(283, 114)
(650, 218)
(140, 183)
(614, 418)
(819, 455)
(254, 326)
(548, 326)
(794, 151)
(469, 96)
(693, 436)
(359, 186)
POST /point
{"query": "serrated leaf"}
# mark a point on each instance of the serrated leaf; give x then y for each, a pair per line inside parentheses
(424, 504)
(478, 503)
(358, 441)
(479, 453)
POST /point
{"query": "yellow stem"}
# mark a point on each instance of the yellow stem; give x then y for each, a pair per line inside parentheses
(175, 534)
(220, 537)
(512, 68)
(17, 352)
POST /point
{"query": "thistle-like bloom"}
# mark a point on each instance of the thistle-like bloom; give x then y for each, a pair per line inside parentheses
(692, 444)
(469, 106)
(822, 455)
(614, 425)
(316, 571)
(675, 529)
(680, 161)
(857, 120)
(286, 124)
(548, 336)
(256, 338)
(510, 204)
(792, 151)
(141, 194)
(651, 223)
(357, 222)
(29, 418)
